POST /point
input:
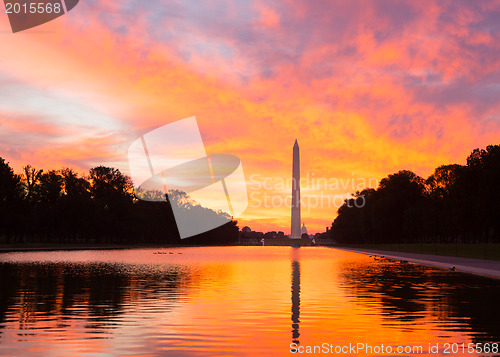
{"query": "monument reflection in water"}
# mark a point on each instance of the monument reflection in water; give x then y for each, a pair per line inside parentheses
(232, 301)
(295, 297)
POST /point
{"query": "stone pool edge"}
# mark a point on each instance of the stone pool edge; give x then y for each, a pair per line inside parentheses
(488, 268)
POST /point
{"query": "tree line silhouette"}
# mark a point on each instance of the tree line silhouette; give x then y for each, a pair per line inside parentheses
(62, 206)
(457, 203)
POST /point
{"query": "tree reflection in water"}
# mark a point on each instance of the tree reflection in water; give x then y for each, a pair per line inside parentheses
(411, 292)
(99, 292)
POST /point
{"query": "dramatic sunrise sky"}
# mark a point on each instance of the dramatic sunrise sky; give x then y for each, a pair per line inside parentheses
(367, 88)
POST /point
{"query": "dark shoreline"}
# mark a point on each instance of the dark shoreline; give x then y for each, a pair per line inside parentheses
(482, 267)
(6, 249)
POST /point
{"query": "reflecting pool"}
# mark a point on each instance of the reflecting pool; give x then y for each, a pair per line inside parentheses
(239, 301)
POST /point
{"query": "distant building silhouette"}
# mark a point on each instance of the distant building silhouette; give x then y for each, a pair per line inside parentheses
(249, 237)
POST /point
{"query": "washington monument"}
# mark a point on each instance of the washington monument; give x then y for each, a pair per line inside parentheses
(296, 231)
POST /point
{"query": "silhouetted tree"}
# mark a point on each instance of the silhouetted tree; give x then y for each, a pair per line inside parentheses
(63, 206)
(10, 198)
(456, 203)
(31, 177)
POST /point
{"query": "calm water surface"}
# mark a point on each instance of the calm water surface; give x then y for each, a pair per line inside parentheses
(234, 301)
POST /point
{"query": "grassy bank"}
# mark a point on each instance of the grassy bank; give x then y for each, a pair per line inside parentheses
(477, 251)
